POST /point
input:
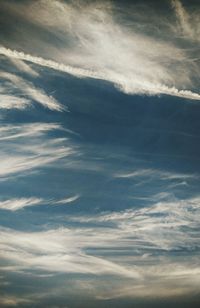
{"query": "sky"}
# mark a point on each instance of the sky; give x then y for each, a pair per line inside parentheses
(99, 154)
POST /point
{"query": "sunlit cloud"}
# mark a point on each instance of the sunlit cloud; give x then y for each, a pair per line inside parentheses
(13, 102)
(68, 200)
(26, 154)
(102, 202)
(154, 173)
(93, 44)
(16, 204)
(137, 233)
(22, 66)
(21, 203)
(185, 21)
(28, 90)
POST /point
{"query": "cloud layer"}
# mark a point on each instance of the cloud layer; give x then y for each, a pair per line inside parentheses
(124, 245)
(93, 44)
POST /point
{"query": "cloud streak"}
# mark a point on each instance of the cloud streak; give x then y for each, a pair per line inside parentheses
(28, 90)
(130, 87)
(183, 19)
(16, 204)
(23, 148)
(124, 244)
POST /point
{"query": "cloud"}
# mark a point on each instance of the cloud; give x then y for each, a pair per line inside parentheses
(154, 173)
(126, 249)
(24, 67)
(131, 86)
(16, 204)
(183, 19)
(68, 200)
(94, 42)
(20, 203)
(27, 89)
(159, 226)
(25, 153)
(13, 102)
(54, 250)
(14, 301)
(8, 132)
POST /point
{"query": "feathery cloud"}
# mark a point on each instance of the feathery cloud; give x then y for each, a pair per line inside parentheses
(130, 86)
(29, 90)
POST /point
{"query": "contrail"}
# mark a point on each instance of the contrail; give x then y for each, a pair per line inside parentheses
(149, 89)
(79, 72)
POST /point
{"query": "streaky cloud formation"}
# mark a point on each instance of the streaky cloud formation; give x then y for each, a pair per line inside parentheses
(16, 204)
(73, 250)
(99, 153)
(27, 151)
(184, 18)
(131, 86)
(68, 200)
(28, 89)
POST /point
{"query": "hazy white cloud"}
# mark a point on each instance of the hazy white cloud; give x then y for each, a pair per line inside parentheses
(13, 102)
(16, 204)
(82, 250)
(8, 132)
(131, 85)
(58, 251)
(68, 200)
(183, 19)
(25, 153)
(14, 301)
(154, 173)
(24, 67)
(94, 44)
(159, 226)
(29, 90)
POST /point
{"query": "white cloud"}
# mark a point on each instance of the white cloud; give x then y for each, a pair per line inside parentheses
(27, 89)
(135, 232)
(13, 102)
(25, 153)
(24, 67)
(94, 44)
(159, 226)
(8, 132)
(131, 85)
(184, 19)
(68, 200)
(82, 250)
(14, 301)
(154, 173)
(16, 204)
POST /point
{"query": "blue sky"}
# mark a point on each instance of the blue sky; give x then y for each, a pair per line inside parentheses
(99, 159)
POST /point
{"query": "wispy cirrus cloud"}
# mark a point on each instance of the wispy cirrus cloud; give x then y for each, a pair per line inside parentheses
(28, 93)
(25, 153)
(93, 44)
(187, 22)
(14, 301)
(13, 102)
(130, 85)
(154, 173)
(22, 66)
(161, 225)
(122, 244)
(16, 204)
(68, 200)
